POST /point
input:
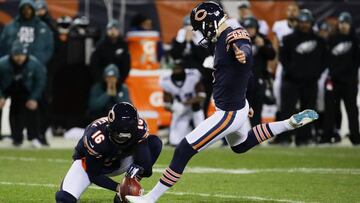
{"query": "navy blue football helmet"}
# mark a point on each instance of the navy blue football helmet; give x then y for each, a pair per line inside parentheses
(207, 17)
(123, 120)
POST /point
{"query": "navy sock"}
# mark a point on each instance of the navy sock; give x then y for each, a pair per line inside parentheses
(256, 135)
(182, 155)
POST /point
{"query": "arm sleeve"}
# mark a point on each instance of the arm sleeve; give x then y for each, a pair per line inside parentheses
(241, 38)
(93, 169)
(285, 54)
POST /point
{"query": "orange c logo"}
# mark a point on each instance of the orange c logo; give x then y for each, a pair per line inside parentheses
(200, 15)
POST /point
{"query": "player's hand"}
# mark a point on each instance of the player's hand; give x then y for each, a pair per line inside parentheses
(251, 112)
(31, 105)
(2, 103)
(134, 171)
(259, 42)
(240, 55)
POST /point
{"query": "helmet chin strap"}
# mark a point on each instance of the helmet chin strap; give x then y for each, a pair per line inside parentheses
(218, 25)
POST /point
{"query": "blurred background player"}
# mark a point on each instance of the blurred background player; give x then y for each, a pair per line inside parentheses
(29, 29)
(183, 96)
(185, 47)
(111, 49)
(22, 78)
(302, 56)
(233, 61)
(244, 10)
(281, 29)
(263, 52)
(343, 65)
(110, 146)
(107, 93)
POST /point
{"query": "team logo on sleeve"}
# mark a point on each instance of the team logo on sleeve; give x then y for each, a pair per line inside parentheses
(200, 15)
(306, 47)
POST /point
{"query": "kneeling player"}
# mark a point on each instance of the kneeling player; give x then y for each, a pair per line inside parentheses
(183, 96)
(110, 146)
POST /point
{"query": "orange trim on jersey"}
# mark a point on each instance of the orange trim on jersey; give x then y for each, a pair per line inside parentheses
(83, 163)
(268, 135)
(86, 144)
(215, 132)
(256, 134)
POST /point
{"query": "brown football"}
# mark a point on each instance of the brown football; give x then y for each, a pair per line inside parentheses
(130, 186)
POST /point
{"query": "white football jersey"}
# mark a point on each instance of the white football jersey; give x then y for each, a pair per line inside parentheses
(185, 90)
(281, 28)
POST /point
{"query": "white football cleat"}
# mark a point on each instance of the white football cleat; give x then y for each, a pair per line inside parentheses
(138, 199)
(300, 119)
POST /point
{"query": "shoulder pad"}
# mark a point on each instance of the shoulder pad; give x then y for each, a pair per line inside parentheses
(237, 34)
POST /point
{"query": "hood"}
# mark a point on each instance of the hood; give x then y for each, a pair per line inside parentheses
(26, 2)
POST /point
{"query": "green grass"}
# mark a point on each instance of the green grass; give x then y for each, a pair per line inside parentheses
(282, 174)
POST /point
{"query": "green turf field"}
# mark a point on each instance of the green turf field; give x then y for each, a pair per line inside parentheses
(264, 174)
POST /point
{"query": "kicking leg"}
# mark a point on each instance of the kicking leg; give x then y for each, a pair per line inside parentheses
(266, 131)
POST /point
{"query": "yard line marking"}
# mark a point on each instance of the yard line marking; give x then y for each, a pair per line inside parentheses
(255, 198)
(210, 170)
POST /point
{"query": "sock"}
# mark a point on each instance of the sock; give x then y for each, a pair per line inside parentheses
(172, 174)
(280, 127)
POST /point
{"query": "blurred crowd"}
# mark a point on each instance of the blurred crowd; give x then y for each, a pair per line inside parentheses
(64, 73)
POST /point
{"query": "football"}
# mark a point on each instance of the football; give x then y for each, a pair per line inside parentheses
(130, 186)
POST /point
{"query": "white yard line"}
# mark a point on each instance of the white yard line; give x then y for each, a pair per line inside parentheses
(210, 170)
(254, 198)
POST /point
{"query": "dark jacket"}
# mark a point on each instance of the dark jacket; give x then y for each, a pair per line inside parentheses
(108, 52)
(261, 56)
(303, 57)
(343, 57)
(33, 74)
(33, 32)
(100, 102)
(192, 58)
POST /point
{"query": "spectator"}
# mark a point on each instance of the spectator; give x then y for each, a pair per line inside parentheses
(29, 29)
(185, 47)
(107, 93)
(262, 53)
(245, 11)
(343, 65)
(43, 13)
(112, 49)
(144, 44)
(22, 77)
(281, 29)
(303, 58)
(183, 96)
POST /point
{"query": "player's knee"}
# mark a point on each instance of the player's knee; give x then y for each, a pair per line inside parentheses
(185, 149)
(64, 197)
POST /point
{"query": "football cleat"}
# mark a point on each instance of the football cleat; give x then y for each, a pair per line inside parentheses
(138, 199)
(300, 119)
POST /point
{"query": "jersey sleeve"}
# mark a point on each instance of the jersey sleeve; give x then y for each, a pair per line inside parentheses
(239, 34)
(95, 143)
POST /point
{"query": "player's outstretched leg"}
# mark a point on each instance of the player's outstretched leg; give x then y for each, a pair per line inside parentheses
(182, 155)
(266, 131)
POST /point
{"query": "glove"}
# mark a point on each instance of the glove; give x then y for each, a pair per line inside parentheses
(134, 171)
